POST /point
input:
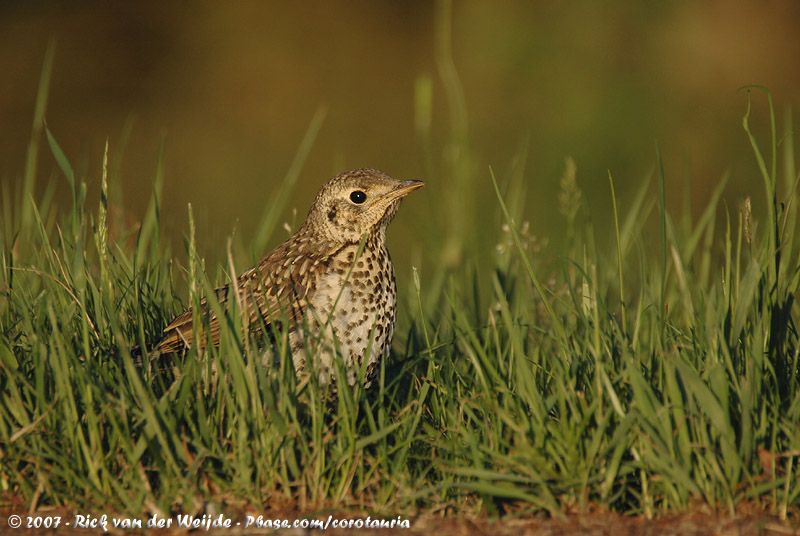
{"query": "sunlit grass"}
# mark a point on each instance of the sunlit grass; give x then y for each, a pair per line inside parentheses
(658, 376)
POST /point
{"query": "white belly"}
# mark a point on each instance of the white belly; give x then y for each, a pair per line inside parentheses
(344, 319)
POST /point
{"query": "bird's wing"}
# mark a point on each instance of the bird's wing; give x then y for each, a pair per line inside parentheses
(278, 289)
(180, 332)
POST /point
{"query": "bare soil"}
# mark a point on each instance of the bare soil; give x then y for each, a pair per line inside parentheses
(749, 522)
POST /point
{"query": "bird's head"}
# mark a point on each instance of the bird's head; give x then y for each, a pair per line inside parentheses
(357, 202)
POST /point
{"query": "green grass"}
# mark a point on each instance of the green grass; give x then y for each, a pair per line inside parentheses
(655, 378)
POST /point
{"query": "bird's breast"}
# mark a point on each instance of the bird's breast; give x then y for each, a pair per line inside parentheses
(352, 310)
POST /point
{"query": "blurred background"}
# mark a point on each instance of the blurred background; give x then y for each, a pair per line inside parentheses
(426, 90)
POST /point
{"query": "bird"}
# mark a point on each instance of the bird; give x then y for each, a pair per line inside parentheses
(331, 284)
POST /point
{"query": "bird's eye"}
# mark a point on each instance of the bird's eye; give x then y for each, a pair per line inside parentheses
(358, 197)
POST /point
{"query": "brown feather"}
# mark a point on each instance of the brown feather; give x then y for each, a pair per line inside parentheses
(274, 285)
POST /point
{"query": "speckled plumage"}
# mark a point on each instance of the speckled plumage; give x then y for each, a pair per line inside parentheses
(334, 297)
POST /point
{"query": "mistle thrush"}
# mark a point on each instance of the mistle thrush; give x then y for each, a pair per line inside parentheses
(333, 281)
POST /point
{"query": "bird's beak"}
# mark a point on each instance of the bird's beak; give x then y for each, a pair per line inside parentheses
(405, 188)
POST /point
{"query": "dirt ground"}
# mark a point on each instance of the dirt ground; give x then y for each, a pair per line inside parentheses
(593, 525)
(610, 525)
(748, 523)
